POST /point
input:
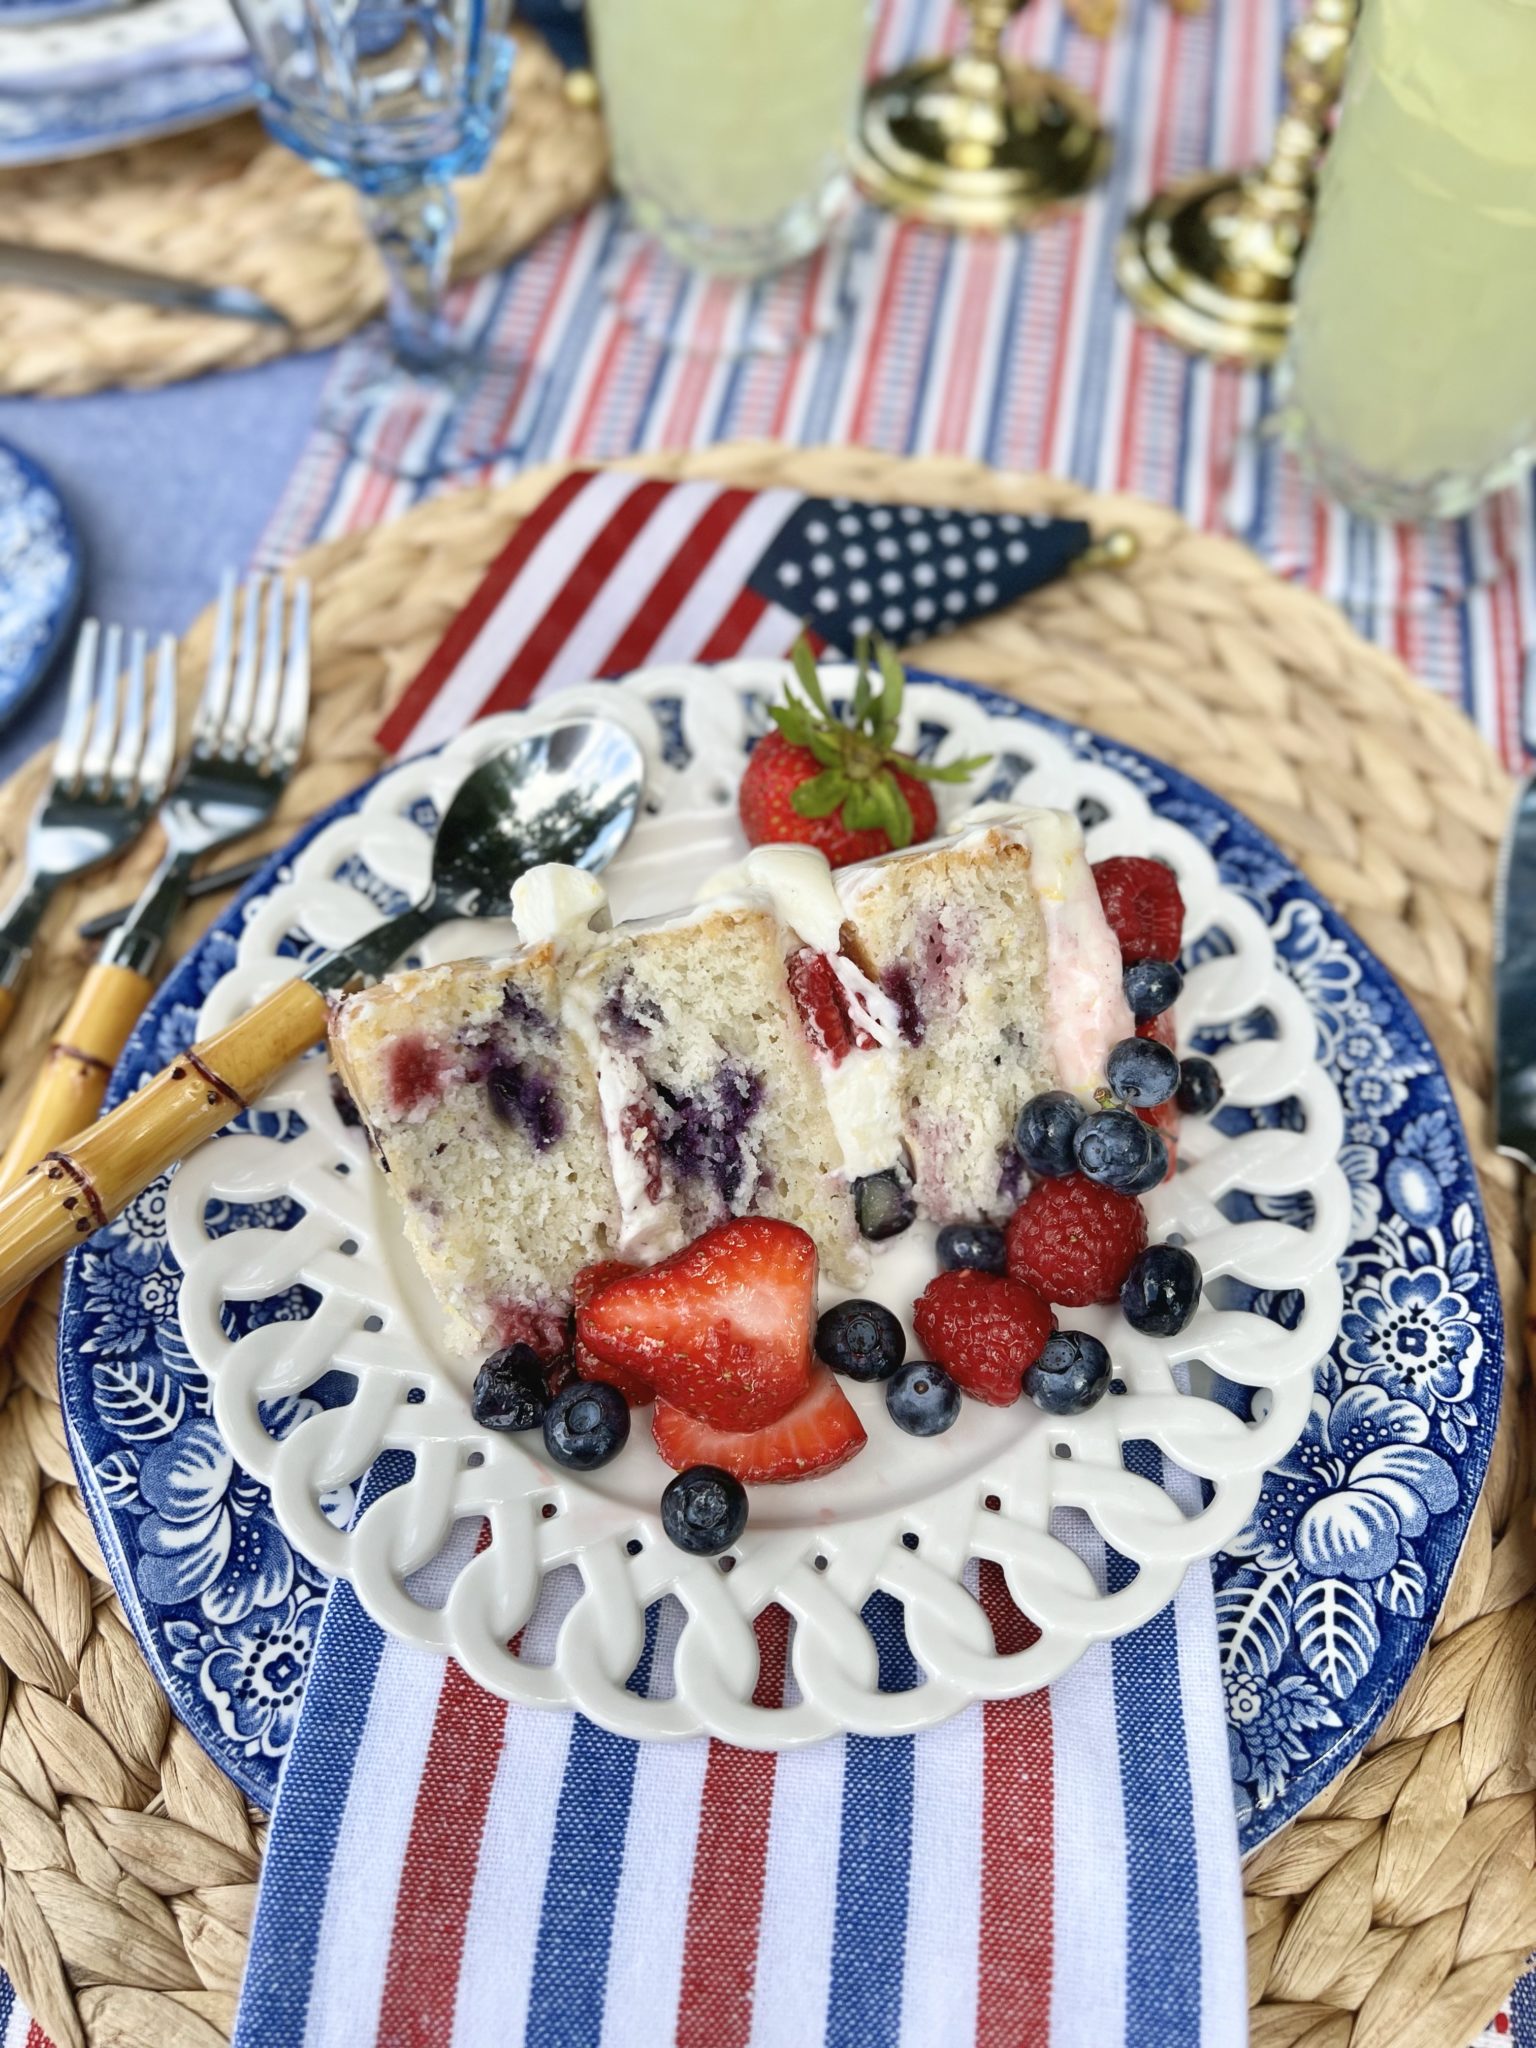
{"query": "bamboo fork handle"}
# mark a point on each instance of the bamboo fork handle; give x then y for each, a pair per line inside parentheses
(7, 1006)
(74, 1191)
(67, 1093)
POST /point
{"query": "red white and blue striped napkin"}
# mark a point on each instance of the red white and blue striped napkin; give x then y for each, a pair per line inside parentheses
(1057, 1870)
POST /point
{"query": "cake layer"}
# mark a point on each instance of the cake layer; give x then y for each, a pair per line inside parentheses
(710, 1095)
(483, 1109)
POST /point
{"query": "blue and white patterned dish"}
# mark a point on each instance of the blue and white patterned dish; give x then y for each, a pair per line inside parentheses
(75, 83)
(40, 572)
(1324, 1602)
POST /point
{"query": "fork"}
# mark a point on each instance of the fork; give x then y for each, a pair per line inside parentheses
(110, 766)
(247, 734)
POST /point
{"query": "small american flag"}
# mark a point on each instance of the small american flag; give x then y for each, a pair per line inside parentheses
(611, 571)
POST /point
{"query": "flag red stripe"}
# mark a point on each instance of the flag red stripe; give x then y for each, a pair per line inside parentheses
(684, 570)
(437, 1878)
(1013, 1992)
(36, 2038)
(725, 1901)
(730, 635)
(523, 674)
(462, 634)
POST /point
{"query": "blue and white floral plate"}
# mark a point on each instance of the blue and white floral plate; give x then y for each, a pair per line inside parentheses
(1325, 1598)
(40, 573)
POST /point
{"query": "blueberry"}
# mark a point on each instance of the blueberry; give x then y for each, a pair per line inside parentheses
(862, 1339)
(1114, 1148)
(1152, 986)
(1161, 1290)
(586, 1424)
(1155, 1172)
(704, 1510)
(972, 1244)
(1142, 1072)
(1070, 1374)
(1199, 1086)
(883, 1203)
(1044, 1132)
(510, 1390)
(922, 1399)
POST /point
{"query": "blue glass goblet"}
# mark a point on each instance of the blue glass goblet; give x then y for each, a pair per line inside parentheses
(396, 97)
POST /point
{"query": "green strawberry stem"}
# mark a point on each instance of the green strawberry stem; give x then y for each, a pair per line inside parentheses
(856, 755)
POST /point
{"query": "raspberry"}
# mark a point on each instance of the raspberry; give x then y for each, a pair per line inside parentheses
(1075, 1241)
(1143, 907)
(984, 1329)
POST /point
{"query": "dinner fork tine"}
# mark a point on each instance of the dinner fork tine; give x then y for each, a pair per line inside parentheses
(69, 753)
(257, 736)
(209, 717)
(160, 746)
(242, 696)
(123, 771)
(102, 742)
(293, 710)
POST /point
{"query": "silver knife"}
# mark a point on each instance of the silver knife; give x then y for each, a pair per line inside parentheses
(64, 270)
(1514, 981)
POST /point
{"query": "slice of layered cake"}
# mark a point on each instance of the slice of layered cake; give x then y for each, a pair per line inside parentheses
(841, 1051)
(482, 1109)
(710, 1095)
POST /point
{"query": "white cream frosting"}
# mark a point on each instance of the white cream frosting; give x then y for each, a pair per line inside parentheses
(557, 903)
(1086, 1010)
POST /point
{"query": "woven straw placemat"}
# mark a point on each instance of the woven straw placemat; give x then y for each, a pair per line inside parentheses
(224, 205)
(1397, 1912)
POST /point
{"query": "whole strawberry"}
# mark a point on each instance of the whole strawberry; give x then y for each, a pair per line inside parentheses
(840, 785)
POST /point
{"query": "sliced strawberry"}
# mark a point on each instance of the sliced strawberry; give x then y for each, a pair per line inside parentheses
(636, 1391)
(722, 1329)
(818, 998)
(818, 1434)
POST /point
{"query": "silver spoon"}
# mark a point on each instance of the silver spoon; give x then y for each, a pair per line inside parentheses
(569, 793)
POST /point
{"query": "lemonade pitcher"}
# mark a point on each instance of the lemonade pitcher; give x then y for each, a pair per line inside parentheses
(1412, 372)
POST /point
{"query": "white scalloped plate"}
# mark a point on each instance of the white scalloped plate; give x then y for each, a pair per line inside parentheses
(907, 1516)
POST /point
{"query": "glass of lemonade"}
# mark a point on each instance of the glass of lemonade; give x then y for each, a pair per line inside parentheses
(730, 121)
(1411, 378)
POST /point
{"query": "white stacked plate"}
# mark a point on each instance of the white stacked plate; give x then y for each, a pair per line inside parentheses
(78, 76)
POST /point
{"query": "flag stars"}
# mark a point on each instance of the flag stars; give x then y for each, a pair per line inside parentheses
(954, 565)
(887, 549)
(861, 622)
(879, 519)
(1009, 522)
(893, 618)
(986, 593)
(1017, 551)
(925, 573)
(859, 591)
(789, 572)
(855, 557)
(950, 535)
(849, 525)
(822, 565)
(986, 559)
(918, 543)
(909, 515)
(825, 600)
(817, 530)
(980, 529)
(923, 608)
(954, 600)
(892, 583)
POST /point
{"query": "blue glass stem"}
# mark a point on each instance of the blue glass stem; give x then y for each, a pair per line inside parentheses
(414, 232)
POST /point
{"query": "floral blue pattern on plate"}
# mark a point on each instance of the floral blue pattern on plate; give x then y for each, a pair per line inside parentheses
(1324, 1602)
(39, 577)
(47, 126)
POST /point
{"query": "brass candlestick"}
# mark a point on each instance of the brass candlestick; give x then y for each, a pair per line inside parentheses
(1212, 260)
(974, 141)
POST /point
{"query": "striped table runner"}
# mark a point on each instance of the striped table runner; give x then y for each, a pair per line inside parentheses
(1016, 350)
(1058, 1871)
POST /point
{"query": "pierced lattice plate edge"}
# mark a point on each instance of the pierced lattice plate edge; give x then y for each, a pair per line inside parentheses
(835, 1668)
